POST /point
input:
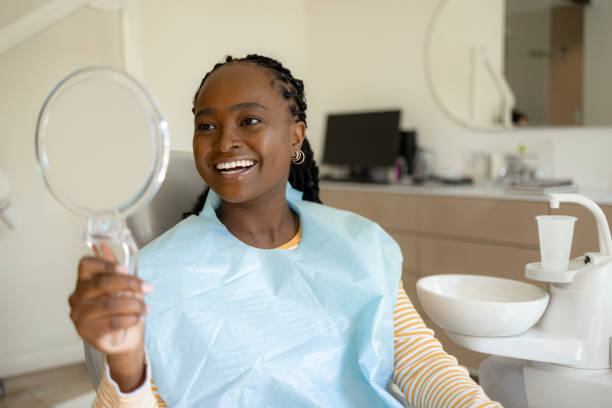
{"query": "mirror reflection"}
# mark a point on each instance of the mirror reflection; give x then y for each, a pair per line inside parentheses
(98, 126)
(514, 63)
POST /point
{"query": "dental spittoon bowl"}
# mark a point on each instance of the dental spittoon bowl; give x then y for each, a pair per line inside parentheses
(481, 306)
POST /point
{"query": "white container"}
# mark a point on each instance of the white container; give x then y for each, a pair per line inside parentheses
(483, 306)
(556, 232)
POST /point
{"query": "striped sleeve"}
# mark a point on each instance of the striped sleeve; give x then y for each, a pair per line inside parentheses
(110, 396)
(424, 372)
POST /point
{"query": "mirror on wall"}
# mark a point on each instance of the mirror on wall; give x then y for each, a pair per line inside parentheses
(495, 64)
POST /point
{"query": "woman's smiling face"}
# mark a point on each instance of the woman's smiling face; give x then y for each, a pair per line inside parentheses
(244, 133)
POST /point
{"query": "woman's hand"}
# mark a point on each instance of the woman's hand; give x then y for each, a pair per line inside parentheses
(108, 312)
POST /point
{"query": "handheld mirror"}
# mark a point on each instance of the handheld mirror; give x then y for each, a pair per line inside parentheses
(102, 149)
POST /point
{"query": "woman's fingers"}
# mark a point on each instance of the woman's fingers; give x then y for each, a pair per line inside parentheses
(108, 284)
(108, 300)
(103, 251)
(97, 328)
(107, 253)
(89, 266)
(108, 306)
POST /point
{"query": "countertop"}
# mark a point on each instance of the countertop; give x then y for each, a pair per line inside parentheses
(463, 191)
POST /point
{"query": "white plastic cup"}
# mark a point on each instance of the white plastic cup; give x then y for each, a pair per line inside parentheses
(556, 232)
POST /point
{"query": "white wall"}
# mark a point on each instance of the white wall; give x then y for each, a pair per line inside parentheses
(14, 9)
(466, 38)
(183, 40)
(38, 260)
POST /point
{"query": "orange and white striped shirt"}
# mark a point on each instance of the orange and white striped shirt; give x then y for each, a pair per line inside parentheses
(426, 375)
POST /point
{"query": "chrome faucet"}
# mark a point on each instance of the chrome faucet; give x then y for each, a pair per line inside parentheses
(516, 169)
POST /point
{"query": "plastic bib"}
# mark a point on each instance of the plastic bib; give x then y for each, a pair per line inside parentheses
(237, 326)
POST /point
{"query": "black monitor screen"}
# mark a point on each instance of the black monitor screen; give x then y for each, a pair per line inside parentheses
(362, 139)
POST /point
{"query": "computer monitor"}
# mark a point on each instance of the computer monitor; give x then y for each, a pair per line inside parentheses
(365, 139)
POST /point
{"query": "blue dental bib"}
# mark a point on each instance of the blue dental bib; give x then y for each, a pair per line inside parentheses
(237, 326)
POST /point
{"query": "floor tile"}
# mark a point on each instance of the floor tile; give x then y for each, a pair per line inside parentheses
(22, 400)
(66, 384)
(41, 378)
(46, 388)
(56, 392)
(82, 401)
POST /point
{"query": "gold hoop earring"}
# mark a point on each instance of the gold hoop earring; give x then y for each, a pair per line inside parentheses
(298, 157)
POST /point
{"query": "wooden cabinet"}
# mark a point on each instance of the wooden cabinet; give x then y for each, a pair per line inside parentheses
(393, 211)
(408, 244)
(441, 256)
(441, 235)
(503, 221)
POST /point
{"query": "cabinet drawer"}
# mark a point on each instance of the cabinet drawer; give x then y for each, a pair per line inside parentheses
(407, 244)
(391, 211)
(497, 220)
(409, 280)
(440, 256)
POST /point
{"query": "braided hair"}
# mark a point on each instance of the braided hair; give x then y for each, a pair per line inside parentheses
(303, 177)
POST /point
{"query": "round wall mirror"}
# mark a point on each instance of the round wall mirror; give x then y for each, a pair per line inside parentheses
(501, 64)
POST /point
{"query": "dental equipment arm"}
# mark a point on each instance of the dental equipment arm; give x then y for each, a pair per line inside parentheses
(603, 231)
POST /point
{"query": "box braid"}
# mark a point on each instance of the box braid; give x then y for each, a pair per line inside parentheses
(303, 177)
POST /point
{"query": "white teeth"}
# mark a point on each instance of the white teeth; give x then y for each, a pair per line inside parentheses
(233, 164)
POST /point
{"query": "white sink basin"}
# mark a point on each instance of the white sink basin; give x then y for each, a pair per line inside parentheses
(481, 306)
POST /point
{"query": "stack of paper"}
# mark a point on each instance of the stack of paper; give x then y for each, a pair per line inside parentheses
(543, 186)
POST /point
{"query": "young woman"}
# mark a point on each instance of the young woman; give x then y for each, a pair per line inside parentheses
(263, 296)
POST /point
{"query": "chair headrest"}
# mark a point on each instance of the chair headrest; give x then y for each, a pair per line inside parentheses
(176, 195)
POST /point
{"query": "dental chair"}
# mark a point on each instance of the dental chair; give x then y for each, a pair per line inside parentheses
(176, 195)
